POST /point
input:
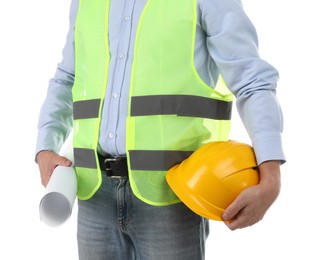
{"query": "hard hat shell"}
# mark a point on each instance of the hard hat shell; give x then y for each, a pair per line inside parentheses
(211, 178)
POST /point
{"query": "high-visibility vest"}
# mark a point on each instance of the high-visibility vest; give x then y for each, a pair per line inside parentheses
(172, 112)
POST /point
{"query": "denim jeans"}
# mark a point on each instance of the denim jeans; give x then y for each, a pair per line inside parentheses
(115, 225)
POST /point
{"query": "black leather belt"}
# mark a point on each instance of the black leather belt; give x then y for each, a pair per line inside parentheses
(115, 167)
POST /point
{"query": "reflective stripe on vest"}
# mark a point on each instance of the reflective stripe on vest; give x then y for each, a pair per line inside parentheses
(172, 111)
(181, 105)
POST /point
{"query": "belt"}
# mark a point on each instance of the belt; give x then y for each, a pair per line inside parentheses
(115, 167)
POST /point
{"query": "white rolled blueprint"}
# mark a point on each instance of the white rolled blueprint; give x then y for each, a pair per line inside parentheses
(60, 193)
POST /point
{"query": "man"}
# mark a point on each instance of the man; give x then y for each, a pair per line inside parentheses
(140, 84)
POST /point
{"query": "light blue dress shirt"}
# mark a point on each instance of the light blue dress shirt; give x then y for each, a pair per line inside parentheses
(226, 43)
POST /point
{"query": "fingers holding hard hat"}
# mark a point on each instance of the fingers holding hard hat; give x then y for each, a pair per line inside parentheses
(47, 161)
(252, 204)
(244, 211)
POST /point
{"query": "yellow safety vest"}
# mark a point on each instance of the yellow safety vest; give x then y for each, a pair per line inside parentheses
(172, 112)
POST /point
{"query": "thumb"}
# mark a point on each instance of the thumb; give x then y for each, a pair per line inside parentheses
(232, 210)
(63, 161)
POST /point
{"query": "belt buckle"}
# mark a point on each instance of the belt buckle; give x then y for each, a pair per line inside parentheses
(108, 161)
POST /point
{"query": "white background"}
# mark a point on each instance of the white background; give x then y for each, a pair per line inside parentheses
(32, 34)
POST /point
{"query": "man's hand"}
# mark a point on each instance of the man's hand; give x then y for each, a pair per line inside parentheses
(252, 203)
(47, 162)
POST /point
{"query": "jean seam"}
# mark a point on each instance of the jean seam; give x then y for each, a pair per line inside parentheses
(121, 206)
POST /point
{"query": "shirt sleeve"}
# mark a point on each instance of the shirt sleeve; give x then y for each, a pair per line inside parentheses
(55, 119)
(233, 45)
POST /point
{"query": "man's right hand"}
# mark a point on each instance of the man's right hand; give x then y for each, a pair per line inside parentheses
(47, 162)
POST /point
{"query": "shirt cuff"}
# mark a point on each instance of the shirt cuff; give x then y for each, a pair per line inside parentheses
(48, 142)
(268, 149)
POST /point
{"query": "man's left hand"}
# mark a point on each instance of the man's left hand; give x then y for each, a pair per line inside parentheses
(252, 203)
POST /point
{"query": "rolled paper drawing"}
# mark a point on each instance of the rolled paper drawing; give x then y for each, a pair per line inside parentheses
(60, 193)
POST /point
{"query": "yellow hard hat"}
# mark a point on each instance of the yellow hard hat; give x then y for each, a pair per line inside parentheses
(211, 178)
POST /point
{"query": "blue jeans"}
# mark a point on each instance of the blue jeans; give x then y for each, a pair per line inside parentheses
(115, 225)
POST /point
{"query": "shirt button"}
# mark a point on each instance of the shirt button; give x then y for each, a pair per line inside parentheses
(121, 56)
(127, 18)
(115, 95)
(111, 135)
